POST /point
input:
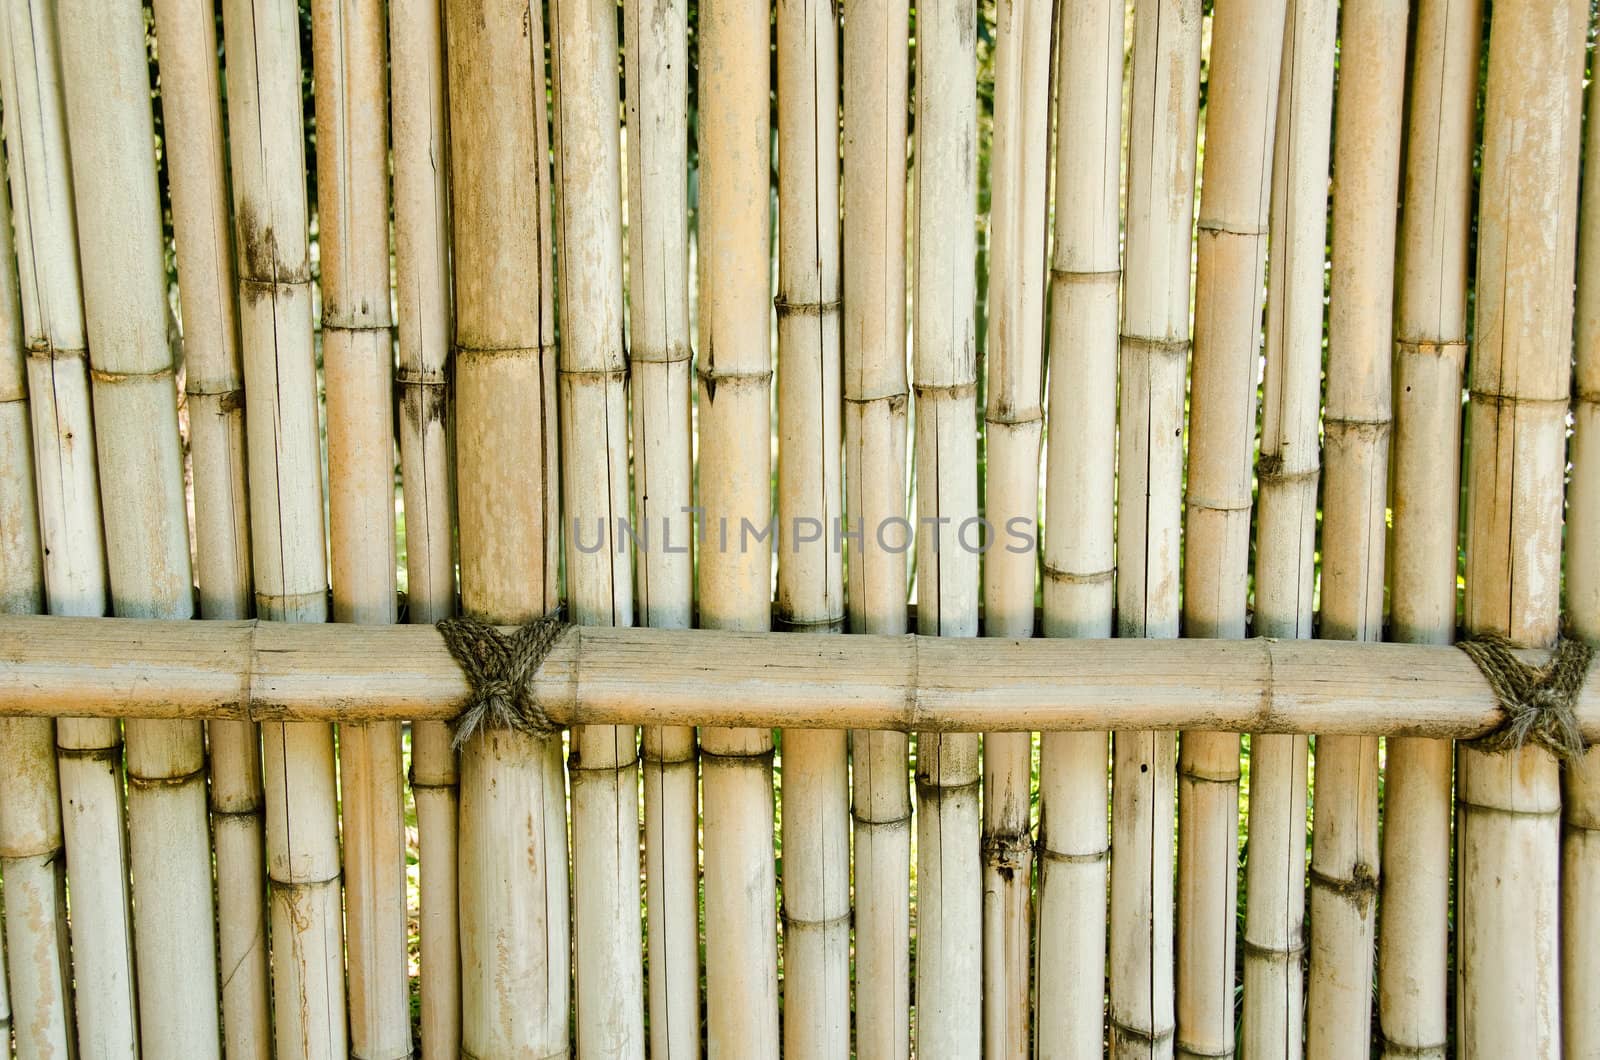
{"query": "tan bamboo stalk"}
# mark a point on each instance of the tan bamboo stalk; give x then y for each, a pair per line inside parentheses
(513, 831)
(876, 69)
(348, 55)
(5, 991)
(1013, 433)
(604, 761)
(39, 977)
(1246, 61)
(1286, 526)
(1356, 427)
(264, 121)
(1153, 357)
(734, 417)
(656, 54)
(191, 109)
(105, 77)
(1074, 842)
(810, 588)
(1430, 352)
(422, 283)
(89, 751)
(1507, 904)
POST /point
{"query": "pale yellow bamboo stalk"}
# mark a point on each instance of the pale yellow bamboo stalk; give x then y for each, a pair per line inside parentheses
(876, 69)
(1507, 906)
(1241, 109)
(734, 417)
(1356, 426)
(1013, 433)
(262, 40)
(1153, 360)
(1074, 842)
(1286, 524)
(422, 283)
(810, 588)
(89, 752)
(656, 54)
(513, 826)
(604, 761)
(1430, 351)
(105, 75)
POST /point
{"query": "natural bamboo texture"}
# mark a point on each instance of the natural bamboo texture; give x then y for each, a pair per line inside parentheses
(262, 40)
(1508, 863)
(1241, 123)
(876, 71)
(1153, 360)
(513, 826)
(735, 475)
(656, 57)
(89, 752)
(349, 57)
(1286, 524)
(1356, 426)
(105, 77)
(423, 325)
(1430, 352)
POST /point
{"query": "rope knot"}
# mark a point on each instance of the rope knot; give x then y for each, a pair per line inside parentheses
(500, 671)
(1540, 702)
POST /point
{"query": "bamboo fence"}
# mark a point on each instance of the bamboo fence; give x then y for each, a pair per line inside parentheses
(664, 319)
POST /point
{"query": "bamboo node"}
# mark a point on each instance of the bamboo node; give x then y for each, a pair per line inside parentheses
(804, 309)
(500, 670)
(1361, 887)
(1538, 701)
(1008, 852)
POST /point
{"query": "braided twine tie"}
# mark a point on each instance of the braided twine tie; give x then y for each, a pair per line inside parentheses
(500, 671)
(1540, 702)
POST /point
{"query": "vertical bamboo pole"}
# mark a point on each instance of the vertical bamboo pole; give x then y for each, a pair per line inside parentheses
(262, 39)
(348, 56)
(1430, 351)
(949, 968)
(39, 977)
(1153, 355)
(191, 108)
(1013, 433)
(1508, 828)
(735, 373)
(105, 76)
(1246, 63)
(810, 591)
(656, 54)
(594, 445)
(1344, 858)
(1286, 523)
(876, 69)
(89, 751)
(513, 827)
(1074, 842)
(422, 281)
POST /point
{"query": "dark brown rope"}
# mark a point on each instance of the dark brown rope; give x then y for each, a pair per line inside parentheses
(1540, 702)
(500, 671)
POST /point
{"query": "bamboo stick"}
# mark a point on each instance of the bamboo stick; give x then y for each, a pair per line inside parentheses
(656, 55)
(353, 224)
(734, 413)
(1430, 351)
(1013, 433)
(264, 121)
(89, 752)
(1246, 63)
(423, 323)
(192, 135)
(1344, 857)
(1274, 1006)
(1074, 842)
(1507, 906)
(604, 762)
(513, 829)
(1153, 355)
(105, 77)
(810, 588)
(876, 69)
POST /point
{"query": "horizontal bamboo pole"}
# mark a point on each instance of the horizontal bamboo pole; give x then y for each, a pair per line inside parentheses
(272, 671)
